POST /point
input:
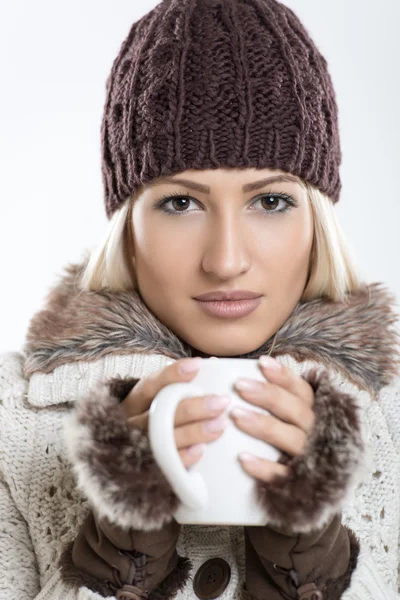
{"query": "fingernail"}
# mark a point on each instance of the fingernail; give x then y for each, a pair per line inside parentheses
(269, 362)
(197, 449)
(217, 402)
(247, 457)
(242, 413)
(216, 424)
(191, 365)
(248, 384)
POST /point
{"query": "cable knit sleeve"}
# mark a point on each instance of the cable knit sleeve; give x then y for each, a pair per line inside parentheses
(19, 573)
(101, 559)
(328, 562)
(15, 550)
(369, 580)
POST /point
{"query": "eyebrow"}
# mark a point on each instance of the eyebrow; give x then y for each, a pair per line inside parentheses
(248, 187)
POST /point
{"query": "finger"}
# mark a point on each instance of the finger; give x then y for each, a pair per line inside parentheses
(190, 410)
(200, 408)
(201, 432)
(281, 403)
(288, 438)
(281, 375)
(139, 422)
(261, 468)
(141, 396)
(189, 456)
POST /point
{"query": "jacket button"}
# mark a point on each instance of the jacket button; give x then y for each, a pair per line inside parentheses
(212, 579)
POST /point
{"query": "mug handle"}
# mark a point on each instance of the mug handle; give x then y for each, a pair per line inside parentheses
(189, 487)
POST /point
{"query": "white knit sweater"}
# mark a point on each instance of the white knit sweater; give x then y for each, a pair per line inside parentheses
(41, 509)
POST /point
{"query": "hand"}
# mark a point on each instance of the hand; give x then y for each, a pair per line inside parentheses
(198, 420)
(290, 399)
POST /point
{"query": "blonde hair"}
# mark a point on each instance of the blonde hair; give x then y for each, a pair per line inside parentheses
(332, 271)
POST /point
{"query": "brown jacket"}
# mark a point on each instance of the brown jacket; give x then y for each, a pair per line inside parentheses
(305, 552)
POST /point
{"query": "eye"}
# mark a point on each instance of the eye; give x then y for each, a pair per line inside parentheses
(179, 202)
(269, 202)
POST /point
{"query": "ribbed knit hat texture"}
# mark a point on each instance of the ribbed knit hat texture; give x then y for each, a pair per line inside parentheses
(203, 84)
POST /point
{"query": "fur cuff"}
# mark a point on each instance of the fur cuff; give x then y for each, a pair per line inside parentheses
(330, 469)
(113, 463)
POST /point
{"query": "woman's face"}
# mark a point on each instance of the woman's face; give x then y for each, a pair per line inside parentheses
(223, 234)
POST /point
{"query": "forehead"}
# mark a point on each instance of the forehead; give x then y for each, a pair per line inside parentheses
(207, 179)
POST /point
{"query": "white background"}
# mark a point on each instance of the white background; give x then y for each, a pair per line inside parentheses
(54, 61)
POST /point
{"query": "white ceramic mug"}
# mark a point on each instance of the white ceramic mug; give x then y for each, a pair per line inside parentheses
(216, 490)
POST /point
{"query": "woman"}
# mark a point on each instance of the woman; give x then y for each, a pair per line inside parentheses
(221, 168)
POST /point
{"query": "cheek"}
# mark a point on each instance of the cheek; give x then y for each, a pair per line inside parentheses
(160, 258)
(288, 247)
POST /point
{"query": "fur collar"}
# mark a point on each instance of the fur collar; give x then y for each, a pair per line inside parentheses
(357, 337)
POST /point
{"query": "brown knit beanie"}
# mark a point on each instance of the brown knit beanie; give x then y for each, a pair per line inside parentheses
(202, 84)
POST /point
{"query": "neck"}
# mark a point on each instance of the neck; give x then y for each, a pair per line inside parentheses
(195, 352)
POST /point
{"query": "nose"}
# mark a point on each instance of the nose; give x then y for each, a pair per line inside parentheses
(225, 254)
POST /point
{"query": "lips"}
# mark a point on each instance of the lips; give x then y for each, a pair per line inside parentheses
(218, 295)
(228, 309)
